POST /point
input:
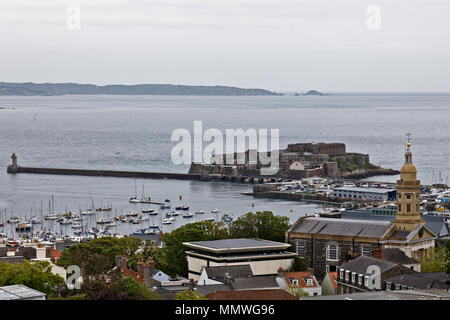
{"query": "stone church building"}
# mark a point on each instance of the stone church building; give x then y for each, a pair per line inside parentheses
(327, 243)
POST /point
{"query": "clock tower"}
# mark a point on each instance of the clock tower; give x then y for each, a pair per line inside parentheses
(408, 215)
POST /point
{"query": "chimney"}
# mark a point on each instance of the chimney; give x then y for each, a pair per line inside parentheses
(191, 284)
(151, 263)
(146, 273)
(281, 272)
(118, 261)
(124, 263)
(140, 267)
(377, 254)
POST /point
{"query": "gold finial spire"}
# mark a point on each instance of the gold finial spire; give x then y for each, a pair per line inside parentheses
(408, 144)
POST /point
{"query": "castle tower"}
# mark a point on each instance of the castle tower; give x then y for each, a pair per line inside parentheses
(408, 196)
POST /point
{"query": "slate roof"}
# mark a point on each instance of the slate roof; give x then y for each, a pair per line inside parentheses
(239, 271)
(425, 280)
(397, 256)
(437, 224)
(343, 227)
(210, 288)
(242, 243)
(360, 264)
(271, 294)
(257, 282)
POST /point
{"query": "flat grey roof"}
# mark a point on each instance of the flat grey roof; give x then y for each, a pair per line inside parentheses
(241, 244)
(343, 227)
(370, 190)
(19, 292)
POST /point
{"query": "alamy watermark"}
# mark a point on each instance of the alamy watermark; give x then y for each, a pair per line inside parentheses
(73, 21)
(373, 21)
(74, 280)
(249, 147)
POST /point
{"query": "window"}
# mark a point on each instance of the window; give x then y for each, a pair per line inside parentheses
(341, 274)
(332, 252)
(301, 249)
(404, 287)
(388, 286)
(399, 207)
(347, 273)
(360, 279)
(399, 195)
(309, 282)
(294, 282)
(408, 208)
(397, 286)
(353, 277)
(327, 268)
(365, 251)
(366, 281)
(408, 196)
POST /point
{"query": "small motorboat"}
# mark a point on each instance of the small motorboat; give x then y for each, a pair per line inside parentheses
(103, 221)
(149, 211)
(188, 215)
(65, 221)
(226, 218)
(164, 207)
(200, 212)
(23, 227)
(13, 220)
(173, 213)
(183, 207)
(167, 200)
(215, 210)
(134, 200)
(168, 220)
(88, 212)
(103, 209)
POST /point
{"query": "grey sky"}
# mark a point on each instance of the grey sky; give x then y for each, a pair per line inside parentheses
(279, 45)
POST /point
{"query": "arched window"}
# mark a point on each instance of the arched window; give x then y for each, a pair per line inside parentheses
(332, 252)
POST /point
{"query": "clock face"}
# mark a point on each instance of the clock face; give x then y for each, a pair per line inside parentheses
(421, 233)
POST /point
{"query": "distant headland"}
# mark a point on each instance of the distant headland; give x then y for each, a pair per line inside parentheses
(58, 89)
(313, 93)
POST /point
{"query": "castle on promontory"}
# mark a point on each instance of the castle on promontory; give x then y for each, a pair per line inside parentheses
(297, 161)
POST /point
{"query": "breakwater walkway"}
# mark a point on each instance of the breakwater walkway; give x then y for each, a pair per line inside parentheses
(14, 168)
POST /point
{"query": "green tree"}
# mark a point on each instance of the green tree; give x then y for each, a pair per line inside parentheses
(298, 264)
(98, 255)
(295, 290)
(133, 289)
(35, 275)
(189, 294)
(434, 260)
(262, 225)
(447, 257)
(173, 253)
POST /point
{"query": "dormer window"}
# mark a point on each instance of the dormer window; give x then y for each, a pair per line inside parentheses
(294, 282)
(309, 282)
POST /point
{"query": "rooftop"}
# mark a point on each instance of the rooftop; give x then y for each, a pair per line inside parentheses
(241, 244)
(238, 271)
(20, 292)
(358, 189)
(272, 294)
(343, 227)
(360, 265)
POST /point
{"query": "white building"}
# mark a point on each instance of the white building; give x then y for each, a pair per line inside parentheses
(264, 257)
(374, 194)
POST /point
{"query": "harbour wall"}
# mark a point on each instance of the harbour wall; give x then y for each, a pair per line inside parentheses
(104, 173)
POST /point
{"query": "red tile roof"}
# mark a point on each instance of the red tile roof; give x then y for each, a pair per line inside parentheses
(269, 294)
(133, 274)
(301, 278)
(333, 277)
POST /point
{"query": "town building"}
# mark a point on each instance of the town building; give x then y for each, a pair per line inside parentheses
(304, 280)
(269, 294)
(424, 280)
(326, 243)
(263, 256)
(361, 193)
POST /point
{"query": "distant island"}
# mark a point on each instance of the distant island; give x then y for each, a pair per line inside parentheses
(314, 93)
(57, 89)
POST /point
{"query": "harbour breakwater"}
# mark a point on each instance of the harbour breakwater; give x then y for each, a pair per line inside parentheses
(14, 168)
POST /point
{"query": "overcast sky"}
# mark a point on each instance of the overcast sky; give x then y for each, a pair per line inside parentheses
(282, 45)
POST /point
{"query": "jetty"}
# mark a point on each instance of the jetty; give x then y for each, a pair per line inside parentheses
(14, 168)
